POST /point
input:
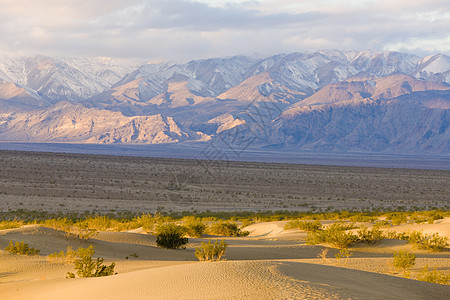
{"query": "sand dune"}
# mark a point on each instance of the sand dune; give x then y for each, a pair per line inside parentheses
(236, 280)
(442, 226)
(270, 264)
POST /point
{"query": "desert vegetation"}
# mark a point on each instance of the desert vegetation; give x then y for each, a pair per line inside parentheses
(135, 221)
(21, 248)
(211, 252)
(171, 236)
(85, 266)
(404, 260)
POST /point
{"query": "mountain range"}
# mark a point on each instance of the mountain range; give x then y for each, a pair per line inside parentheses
(322, 101)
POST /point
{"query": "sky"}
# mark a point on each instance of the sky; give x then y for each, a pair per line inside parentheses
(180, 30)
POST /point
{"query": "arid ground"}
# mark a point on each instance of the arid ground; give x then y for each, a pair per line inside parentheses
(271, 263)
(75, 182)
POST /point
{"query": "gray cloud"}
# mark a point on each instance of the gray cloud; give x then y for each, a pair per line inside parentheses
(181, 30)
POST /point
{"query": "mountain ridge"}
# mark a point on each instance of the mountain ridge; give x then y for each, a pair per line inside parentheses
(326, 100)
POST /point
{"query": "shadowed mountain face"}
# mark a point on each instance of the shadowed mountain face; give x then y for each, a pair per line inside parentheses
(327, 100)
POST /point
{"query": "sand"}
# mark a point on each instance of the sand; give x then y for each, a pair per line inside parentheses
(271, 263)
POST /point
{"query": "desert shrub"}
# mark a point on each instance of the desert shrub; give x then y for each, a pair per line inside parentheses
(194, 227)
(431, 242)
(341, 254)
(226, 229)
(370, 236)
(171, 236)
(415, 237)
(404, 236)
(21, 248)
(247, 221)
(335, 235)
(433, 276)
(404, 260)
(79, 233)
(73, 230)
(86, 234)
(134, 255)
(323, 255)
(420, 219)
(304, 225)
(8, 224)
(62, 224)
(342, 226)
(434, 242)
(433, 215)
(101, 223)
(211, 252)
(398, 218)
(382, 224)
(85, 266)
(146, 221)
(68, 256)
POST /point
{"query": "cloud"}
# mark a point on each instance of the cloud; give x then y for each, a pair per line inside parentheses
(182, 29)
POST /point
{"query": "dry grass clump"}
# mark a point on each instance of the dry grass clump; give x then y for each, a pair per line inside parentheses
(433, 276)
(21, 248)
(303, 225)
(211, 252)
(68, 256)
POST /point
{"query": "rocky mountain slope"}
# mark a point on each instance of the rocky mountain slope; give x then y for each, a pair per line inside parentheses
(326, 100)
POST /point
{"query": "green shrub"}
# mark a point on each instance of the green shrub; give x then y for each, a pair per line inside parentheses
(134, 255)
(434, 242)
(370, 236)
(85, 266)
(7, 224)
(433, 276)
(434, 215)
(171, 236)
(398, 218)
(21, 248)
(335, 235)
(420, 219)
(431, 242)
(341, 254)
(404, 261)
(247, 221)
(194, 227)
(211, 252)
(361, 218)
(382, 224)
(226, 229)
(415, 237)
(62, 224)
(303, 225)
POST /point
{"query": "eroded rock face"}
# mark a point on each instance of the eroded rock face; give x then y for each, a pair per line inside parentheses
(327, 100)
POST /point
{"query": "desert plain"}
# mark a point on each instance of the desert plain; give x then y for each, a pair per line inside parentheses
(270, 263)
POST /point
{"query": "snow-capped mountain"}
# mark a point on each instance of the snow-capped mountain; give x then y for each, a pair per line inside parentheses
(326, 100)
(59, 79)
